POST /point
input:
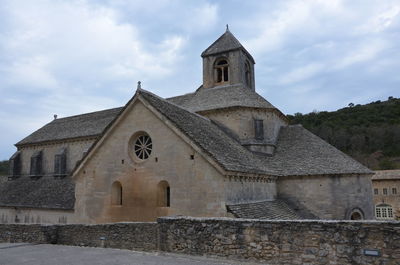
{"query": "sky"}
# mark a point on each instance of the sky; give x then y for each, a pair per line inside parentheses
(77, 56)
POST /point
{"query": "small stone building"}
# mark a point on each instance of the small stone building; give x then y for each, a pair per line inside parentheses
(222, 150)
(386, 188)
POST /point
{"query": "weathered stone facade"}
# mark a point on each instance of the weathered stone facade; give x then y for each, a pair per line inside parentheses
(75, 150)
(270, 242)
(342, 195)
(19, 215)
(169, 161)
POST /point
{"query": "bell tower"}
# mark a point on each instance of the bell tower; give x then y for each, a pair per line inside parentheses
(226, 62)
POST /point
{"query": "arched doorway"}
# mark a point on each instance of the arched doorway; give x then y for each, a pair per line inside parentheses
(356, 214)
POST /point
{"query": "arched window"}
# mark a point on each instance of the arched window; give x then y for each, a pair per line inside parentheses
(116, 193)
(164, 194)
(384, 211)
(221, 71)
(247, 74)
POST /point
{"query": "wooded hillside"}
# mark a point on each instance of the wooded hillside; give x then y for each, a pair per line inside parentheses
(4, 168)
(369, 133)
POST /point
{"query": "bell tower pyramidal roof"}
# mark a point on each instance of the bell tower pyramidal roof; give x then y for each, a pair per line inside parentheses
(227, 63)
(225, 43)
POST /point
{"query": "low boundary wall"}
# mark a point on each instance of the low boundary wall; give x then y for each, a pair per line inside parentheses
(274, 242)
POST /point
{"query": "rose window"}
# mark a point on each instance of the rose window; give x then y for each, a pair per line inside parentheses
(143, 146)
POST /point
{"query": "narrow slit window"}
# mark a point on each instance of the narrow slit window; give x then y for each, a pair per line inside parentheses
(259, 129)
(168, 199)
(248, 74)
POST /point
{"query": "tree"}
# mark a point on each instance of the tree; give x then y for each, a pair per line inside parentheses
(4, 168)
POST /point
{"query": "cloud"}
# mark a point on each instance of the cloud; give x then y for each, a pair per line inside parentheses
(75, 36)
(302, 73)
(29, 73)
(66, 57)
(364, 52)
(70, 57)
(385, 18)
(288, 20)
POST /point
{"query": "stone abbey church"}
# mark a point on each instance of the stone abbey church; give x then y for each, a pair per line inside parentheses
(222, 150)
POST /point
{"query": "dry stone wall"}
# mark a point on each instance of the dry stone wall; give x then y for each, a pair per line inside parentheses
(138, 236)
(284, 242)
(271, 242)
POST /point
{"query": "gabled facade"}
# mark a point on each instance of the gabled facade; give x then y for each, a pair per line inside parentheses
(222, 150)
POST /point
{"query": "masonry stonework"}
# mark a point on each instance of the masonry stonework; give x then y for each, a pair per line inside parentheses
(342, 194)
(18, 215)
(75, 151)
(169, 161)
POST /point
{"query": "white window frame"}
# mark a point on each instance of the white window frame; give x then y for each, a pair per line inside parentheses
(384, 211)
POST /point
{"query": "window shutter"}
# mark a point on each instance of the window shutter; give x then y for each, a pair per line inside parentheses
(15, 164)
(11, 167)
(57, 164)
(39, 164)
(63, 164)
(33, 165)
(60, 162)
(36, 164)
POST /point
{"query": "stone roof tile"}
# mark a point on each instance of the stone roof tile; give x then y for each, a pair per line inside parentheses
(45, 192)
(299, 152)
(208, 136)
(84, 125)
(386, 174)
(226, 42)
(270, 210)
(221, 97)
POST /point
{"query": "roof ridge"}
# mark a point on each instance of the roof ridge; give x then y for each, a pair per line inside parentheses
(172, 103)
(87, 113)
(226, 34)
(183, 95)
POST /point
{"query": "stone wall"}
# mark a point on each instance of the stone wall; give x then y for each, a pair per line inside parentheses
(283, 242)
(75, 151)
(342, 195)
(12, 215)
(138, 236)
(272, 242)
(34, 233)
(241, 122)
